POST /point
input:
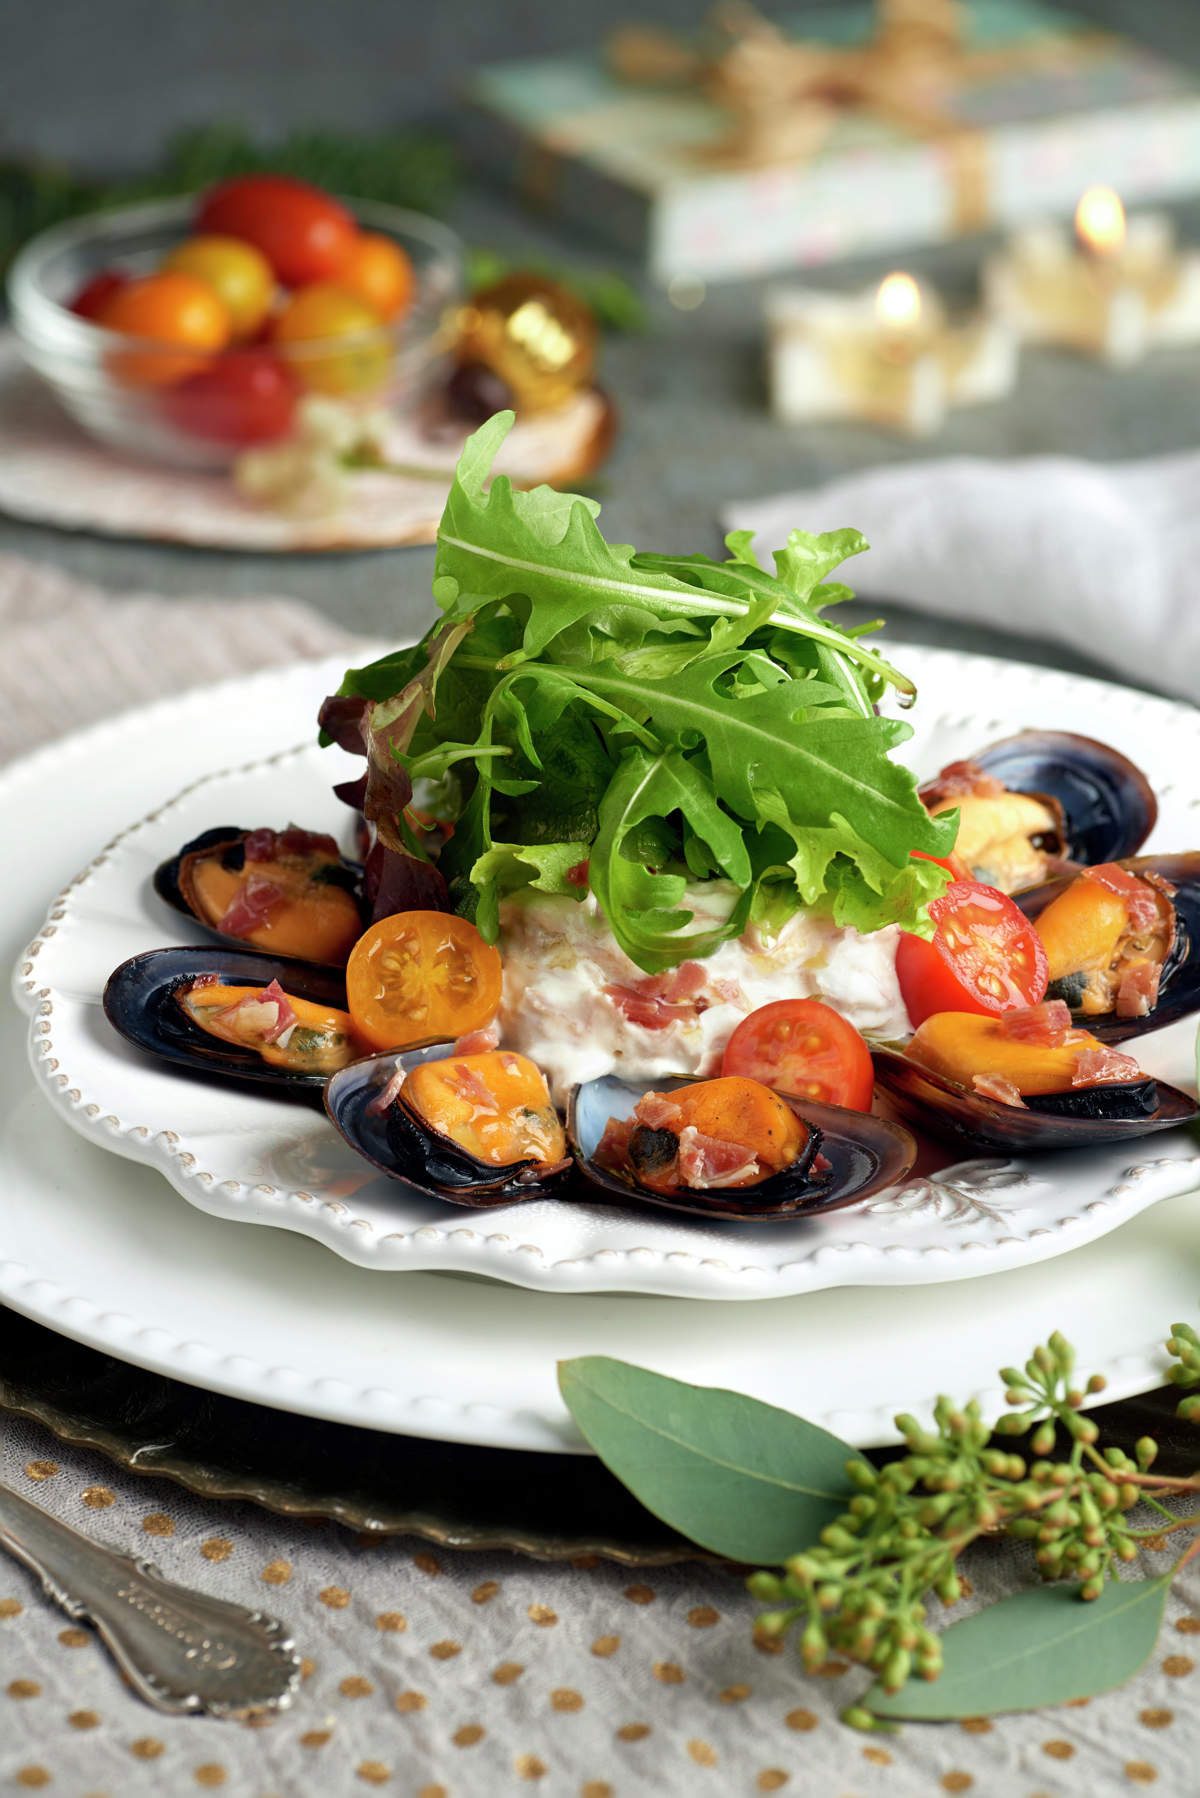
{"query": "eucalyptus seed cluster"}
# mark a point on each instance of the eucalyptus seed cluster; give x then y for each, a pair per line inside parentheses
(1184, 1344)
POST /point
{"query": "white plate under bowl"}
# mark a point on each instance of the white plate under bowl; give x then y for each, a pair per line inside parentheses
(260, 1160)
(101, 1251)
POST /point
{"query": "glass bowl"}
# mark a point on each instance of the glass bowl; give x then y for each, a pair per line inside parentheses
(82, 362)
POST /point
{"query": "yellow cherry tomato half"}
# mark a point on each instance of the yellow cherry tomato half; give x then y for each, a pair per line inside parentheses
(170, 308)
(237, 272)
(421, 976)
(321, 315)
(377, 270)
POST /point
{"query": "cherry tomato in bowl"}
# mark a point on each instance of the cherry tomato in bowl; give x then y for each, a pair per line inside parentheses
(985, 956)
(95, 294)
(236, 271)
(803, 1047)
(303, 233)
(378, 271)
(421, 976)
(245, 396)
(167, 309)
(334, 342)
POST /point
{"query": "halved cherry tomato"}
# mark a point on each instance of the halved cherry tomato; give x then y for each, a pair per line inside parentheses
(985, 956)
(303, 233)
(802, 1047)
(955, 867)
(167, 309)
(245, 396)
(95, 294)
(236, 271)
(379, 272)
(421, 976)
(326, 311)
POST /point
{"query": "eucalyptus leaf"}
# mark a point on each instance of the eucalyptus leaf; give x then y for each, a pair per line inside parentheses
(1042, 1647)
(738, 1476)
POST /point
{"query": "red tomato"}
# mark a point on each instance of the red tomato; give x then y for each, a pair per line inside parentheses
(92, 297)
(302, 232)
(379, 272)
(246, 396)
(956, 869)
(803, 1047)
(985, 957)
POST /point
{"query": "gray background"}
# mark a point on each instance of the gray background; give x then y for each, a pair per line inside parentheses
(103, 86)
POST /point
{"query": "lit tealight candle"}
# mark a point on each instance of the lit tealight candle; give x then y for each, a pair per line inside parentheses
(887, 355)
(1115, 289)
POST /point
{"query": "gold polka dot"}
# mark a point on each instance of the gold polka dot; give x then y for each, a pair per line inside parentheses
(702, 1616)
(507, 1672)
(146, 1748)
(83, 1719)
(393, 1621)
(765, 1642)
(603, 1646)
(596, 1788)
(427, 1563)
(316, 1738)
(210, 1773)
(640, 1594)
(1141, 1772)
(307, 1668)
(878, 1757)
(633, 1732)
(23, 1688)
(98, 1498)
(771, 1779)
(734, 1694)
(33, 1777)
(355, 1686)
(1058, 1751)
(1156, 1719)
(410, 1701)
(468, 1735)
(1176, 1665)
(433, 1792)
(217, 1548)
(977, 1726)
(669, 1673)
(74, 1638)
(833, 1669)
(445, 1651)
(956, 1782)
(158, 1524)
(564, 1699)
(336, 1597)
(801, 1720)
(542, 1615)
(41, 1470)
(11, 1607)
(374, 1772)
(1188, 1626)
(703, 1753)
(485, 1593)
(528, 1766)
(277, 1573)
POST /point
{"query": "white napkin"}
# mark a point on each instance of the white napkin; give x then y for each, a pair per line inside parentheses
(1102, 556)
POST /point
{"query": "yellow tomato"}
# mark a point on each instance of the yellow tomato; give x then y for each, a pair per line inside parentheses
(170, 308)
(324, 314)
(378, 271)
(238, 273)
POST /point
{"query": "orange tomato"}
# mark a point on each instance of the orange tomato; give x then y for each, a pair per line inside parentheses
(324, 313)
(170, 308)
(421, 976)
(237, 272)
(378, 271)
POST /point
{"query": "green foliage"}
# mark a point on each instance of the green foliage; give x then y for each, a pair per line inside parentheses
(1184, 1344)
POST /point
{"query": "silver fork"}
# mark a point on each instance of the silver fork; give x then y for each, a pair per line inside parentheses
(180, 1650)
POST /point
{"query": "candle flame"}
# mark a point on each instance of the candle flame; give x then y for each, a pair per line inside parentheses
(1100, 220)
(898, 302)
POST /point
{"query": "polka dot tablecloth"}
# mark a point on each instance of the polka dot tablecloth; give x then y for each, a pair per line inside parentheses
(454, 1675)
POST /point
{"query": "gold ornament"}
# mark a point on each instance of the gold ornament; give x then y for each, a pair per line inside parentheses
(536, 335)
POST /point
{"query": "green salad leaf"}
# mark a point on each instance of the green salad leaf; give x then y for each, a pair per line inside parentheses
(663, 719)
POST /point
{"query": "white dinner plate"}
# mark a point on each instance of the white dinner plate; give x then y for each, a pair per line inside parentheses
(100, 1249)
(239, 1154)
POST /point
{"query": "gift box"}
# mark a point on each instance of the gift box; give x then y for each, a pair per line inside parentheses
(1046, 105)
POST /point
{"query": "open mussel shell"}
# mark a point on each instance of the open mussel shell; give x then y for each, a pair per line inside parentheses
(969, 1120)
(865, 1154)
(229, 837)
(140, 1001)
(1179, 990)
(1108, 805)
(400, 1145)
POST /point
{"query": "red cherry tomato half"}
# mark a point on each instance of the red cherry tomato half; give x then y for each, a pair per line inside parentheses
(94, 295)
(245, 396)
(956, 869)
(803, 1047)
(304, 234)
(985, 957)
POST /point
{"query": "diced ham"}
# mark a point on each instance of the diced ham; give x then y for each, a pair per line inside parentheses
(662, 999)
(998, 1087)
(958, 779)
(203, 980)
(1141, 900)
(578, 875)
(705, 1161)
(473, 1087)
(268, 845)
(387, 1095)
(1137, 995)
(1101, 1066)
(275, 995)
(266, 1015)
(613, 1147)
(1046, 1025)
(657, 1111)
(478, 1042)
(252, 905)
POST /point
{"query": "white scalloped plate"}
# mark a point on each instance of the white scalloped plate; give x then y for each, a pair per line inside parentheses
(258, 1160)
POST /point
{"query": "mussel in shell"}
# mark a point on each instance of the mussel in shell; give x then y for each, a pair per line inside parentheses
(290, 892)
(152, 1000)
(1041, 802)
(844, 1156)
(472, 1135)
